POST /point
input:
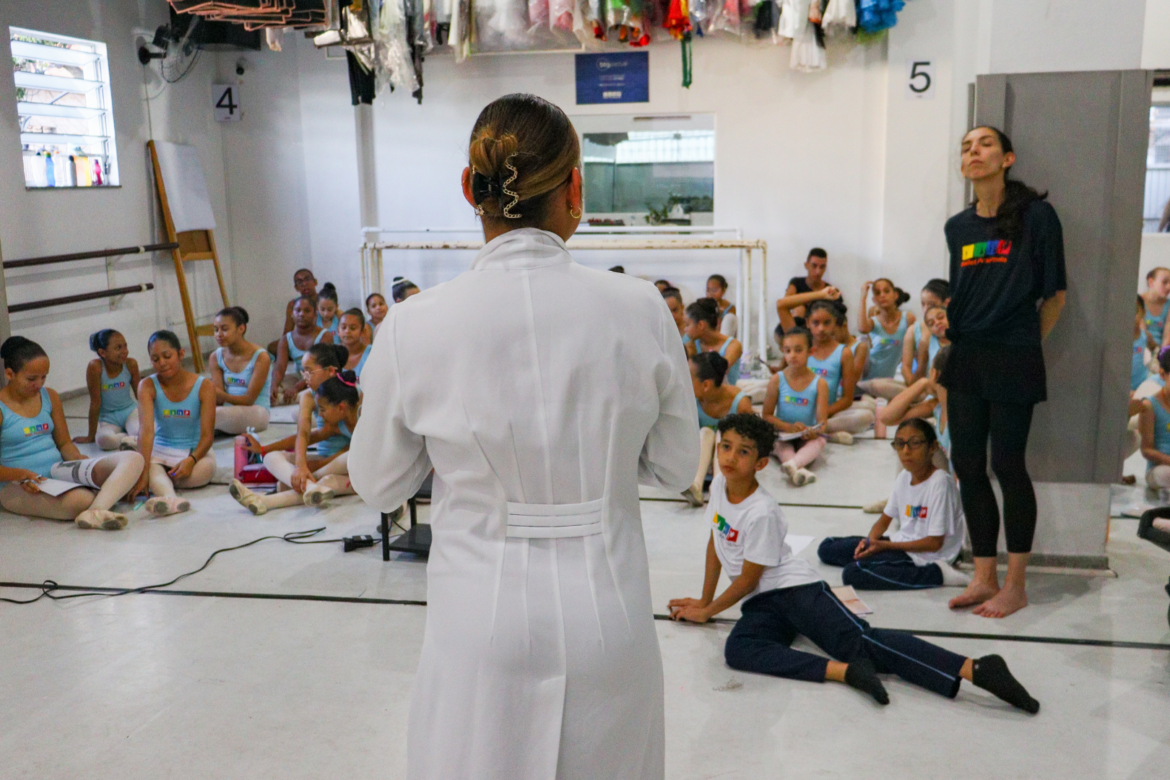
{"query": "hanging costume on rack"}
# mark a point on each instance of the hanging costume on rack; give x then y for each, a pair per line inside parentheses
(839, 15)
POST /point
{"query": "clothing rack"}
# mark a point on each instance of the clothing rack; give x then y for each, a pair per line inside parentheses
(115, 294)
(374, 281)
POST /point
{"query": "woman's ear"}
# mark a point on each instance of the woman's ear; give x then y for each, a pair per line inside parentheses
(1009, 159)
(467, 186)
(574, 193)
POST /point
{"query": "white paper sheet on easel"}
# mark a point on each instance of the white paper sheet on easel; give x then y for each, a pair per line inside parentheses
(796, 543)
(56, 487)
(186, 188)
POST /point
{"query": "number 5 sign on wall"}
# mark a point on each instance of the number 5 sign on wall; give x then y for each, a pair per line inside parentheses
(920, 80)
(225, 100)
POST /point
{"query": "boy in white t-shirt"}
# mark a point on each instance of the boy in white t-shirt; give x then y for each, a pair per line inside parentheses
(786, 597)
(919, 554)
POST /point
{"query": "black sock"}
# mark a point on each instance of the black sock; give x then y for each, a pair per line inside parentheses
(862, 675)
(991, 674)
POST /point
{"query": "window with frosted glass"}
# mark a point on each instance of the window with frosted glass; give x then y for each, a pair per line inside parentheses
(65, 111)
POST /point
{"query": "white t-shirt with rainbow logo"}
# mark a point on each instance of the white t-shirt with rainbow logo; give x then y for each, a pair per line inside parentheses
(932, 508)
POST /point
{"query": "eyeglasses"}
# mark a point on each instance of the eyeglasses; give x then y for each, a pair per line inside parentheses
(913, 444)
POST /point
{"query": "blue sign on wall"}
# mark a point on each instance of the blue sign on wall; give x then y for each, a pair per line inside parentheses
(613, 78)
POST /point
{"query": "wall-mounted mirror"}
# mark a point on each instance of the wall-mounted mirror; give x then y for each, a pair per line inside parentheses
(648, 170)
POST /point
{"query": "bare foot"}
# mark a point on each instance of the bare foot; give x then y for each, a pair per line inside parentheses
(976, 593)
(1004, 603)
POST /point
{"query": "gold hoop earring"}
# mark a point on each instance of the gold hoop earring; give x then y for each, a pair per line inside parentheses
(576, 214)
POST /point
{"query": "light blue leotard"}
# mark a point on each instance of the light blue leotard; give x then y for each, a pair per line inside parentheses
(944, 437)
(296, 355)
(732, 370)
(931, 350)
(177, 425)
(237, 383)
(27, 442)
(362, 363)
(117, 399)
(797, 406)
(1156, 326)
(885, 350)
(1138, 373)
(707, 421)
(830, 369)
(330, 328)
(336, 443)
(1161, 430)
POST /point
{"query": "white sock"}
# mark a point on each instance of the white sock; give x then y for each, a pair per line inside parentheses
(952, 577)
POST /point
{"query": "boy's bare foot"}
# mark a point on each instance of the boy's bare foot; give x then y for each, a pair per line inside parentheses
(976, 593)
(1004, 603)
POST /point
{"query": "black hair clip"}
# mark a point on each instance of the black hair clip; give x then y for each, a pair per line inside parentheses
(484, 187)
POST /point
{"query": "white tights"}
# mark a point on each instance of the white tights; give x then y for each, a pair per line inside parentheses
(1158, 477)
(110, 436)
(706, 454)
(850, 421)
(116, 473)
(162, 486)
(333, 475)
(788, 452)
(881, 388)
(235, 419)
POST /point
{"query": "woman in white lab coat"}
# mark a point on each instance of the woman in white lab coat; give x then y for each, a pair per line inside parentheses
(540, 658)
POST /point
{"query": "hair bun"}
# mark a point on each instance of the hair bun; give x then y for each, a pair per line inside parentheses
(342, 354)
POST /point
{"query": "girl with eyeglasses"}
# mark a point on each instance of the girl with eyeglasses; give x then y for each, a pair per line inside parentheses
(328, 414)
(921, 552)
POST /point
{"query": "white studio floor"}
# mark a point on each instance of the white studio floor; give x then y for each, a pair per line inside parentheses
(224, 682)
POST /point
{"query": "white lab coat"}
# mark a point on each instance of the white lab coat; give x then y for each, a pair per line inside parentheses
(541, 392)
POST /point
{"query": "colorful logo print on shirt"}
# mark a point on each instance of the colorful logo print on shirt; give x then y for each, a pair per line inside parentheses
(915, 512)
(37, 430)
(821, 372)
(236, 381)
(176, 412)
(113, 386)
(986, 252)
(724, 528)
(795, 400)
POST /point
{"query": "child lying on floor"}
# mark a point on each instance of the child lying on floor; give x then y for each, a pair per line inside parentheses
(786, 597)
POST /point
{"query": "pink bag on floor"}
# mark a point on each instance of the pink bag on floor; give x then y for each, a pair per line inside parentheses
(249, 467)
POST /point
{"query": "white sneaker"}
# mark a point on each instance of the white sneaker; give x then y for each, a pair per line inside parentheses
(840, 437)
(952, 577)
(876, 508)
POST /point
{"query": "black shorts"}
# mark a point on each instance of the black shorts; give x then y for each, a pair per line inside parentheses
(1004, 373)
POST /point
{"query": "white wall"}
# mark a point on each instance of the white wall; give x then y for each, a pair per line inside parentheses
(1043, 36)
(1156, 39)
(35, 223)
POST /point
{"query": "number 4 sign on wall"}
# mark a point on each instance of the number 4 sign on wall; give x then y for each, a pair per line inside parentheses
(920, 80)
(225, 100)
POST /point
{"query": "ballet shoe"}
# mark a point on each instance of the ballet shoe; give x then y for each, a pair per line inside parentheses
(789, 470)
(128, 444)
(161, 506)
(840, 437)
(694, 495)
(876, 508)
(238, 490)
(805, 477)
(317, 495)
(101, 518)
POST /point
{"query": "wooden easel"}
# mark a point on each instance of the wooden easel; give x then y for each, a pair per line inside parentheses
(193, 245)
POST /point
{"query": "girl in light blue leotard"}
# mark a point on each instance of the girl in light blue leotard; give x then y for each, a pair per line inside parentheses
(35, 445)
(833, 361)
(353, 325)
(178, 427)
(715, 398)
(112, 379)
(702, 326)
(318, 477)
(884, 355)
(240, 371)
(797, 402)
(328, 310)
(290, 351)
(1155, 430)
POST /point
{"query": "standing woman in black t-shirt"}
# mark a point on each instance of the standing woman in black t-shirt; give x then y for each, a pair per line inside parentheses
(1007, 290)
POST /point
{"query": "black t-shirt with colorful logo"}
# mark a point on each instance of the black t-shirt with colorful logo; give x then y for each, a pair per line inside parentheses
(997, 284)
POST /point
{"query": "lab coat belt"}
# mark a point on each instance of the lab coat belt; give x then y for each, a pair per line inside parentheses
(554, 521)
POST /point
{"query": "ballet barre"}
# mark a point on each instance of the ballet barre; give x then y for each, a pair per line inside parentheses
(373, 280)
(117, 292)
(50, 259)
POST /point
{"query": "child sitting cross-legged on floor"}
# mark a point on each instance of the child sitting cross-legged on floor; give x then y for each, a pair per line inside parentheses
(786, 597)
(920, 553)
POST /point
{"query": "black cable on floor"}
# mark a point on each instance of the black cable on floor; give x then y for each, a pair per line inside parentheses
(49, 586)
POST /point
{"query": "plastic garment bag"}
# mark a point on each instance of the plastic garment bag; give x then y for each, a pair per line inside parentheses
(459, 37)
(840, 15)
(560, 14)
(793, 18)
(394, 65)
(808, 54)
(726, 17)
(701, 15)
(589, 21)
(501, 24)
(538, 15)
